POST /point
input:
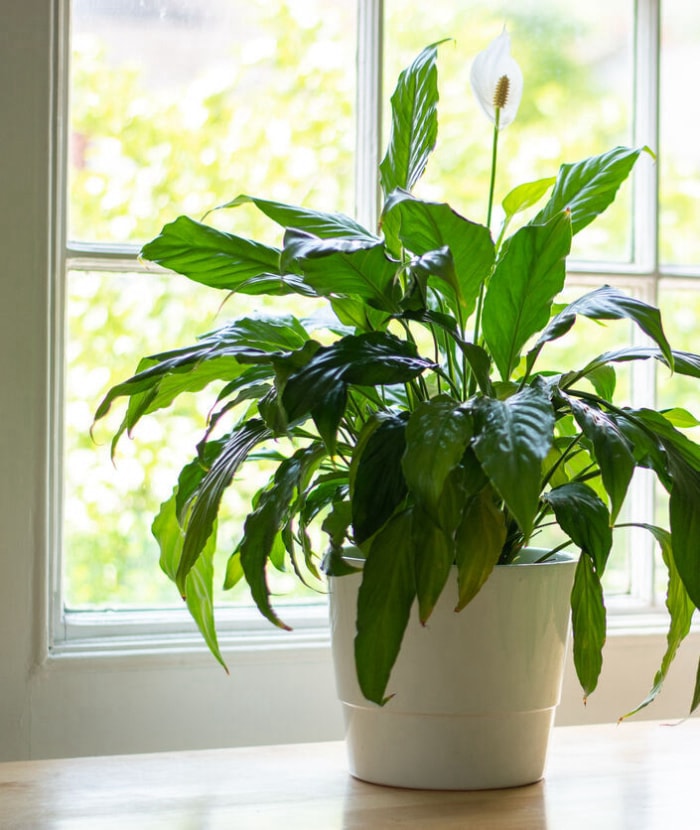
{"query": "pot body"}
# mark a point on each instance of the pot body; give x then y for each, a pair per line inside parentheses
(474, 692)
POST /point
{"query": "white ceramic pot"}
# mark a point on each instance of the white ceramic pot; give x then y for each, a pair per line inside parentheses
(474, 692)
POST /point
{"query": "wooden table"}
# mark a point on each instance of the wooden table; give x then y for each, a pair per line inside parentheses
(632, 777)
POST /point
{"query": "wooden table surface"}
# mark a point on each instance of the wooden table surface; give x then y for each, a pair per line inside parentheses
(629, 777)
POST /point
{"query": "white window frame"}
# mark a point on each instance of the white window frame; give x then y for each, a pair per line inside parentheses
(97, 686)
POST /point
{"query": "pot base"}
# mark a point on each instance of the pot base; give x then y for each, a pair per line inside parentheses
(447, 752)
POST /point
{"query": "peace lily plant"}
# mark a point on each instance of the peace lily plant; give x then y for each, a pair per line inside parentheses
(414, 423)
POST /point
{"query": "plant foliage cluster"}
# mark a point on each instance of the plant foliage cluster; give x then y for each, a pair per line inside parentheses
(411, 420)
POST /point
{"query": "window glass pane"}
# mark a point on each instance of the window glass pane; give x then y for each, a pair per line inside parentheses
(180, 105)
(577, 102)
(679, 161)
(176, 107)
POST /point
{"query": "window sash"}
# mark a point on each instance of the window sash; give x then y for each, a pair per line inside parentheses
(641, 276)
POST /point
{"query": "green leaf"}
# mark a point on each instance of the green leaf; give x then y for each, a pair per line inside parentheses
(413, 123)
(588, 187)
(526, 279)
(696, 693)
(428, 226)
(680, 608)
(513, 438)
(584, 518)
(479, 542)
(210, 256)
(588, 624)
(681, 418)
(367, 359)
(207, 497)
(321, 224)
(378, 482)
(234, 571)
(434, 553)
(611, 448)
(262, 526)
(525, 195)
(336, 267)
(199, 584)
(437, 436)
(607, 303)
(384, 603)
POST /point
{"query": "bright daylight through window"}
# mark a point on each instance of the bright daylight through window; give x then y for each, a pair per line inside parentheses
(177, 106)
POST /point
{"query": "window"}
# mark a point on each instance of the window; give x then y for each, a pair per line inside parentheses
(104, 666)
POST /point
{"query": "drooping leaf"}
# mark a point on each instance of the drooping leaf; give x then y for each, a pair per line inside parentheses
(367, 359)
(513, 438)
(337, 267)
(680, 608)
(413, 123)
(437, 435)
(611, 449)
(588, 624)
(584, 518)
(524, 283)
(212, 257)
(479, 542)
(428, 226)
(696, 692)
(262, 526)
(199, 584)
(587, 188)
(219, 355)
(434, 552)
(607, 303)
(378, 485)
(208, 495)
(321, 224)
(384, 603)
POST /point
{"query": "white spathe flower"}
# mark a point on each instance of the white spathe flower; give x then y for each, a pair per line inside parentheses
(497, 81)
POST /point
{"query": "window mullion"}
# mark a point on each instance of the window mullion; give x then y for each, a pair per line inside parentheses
(370, 18)
(646, 210)
(647, 47)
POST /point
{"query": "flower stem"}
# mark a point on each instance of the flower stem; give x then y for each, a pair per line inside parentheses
(489, 211)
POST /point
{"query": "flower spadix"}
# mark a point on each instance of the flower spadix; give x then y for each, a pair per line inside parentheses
(497, 81)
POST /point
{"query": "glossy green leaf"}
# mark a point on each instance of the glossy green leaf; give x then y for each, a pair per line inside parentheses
(586, 188)
(367, 359)
(479, 543)
(427, 226)
(321, 224)
(413, 123)
(207, 497)
(378, 486)
(680, 608)
(336, 267)
(199, 584)
(212, 257)
(435, 557)
(384, 603)
(585, 519)
(607, 303)
(513, 438)
(262, 526)
(437, 435)
(588, 623)
(525, 281)
(611, 449)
